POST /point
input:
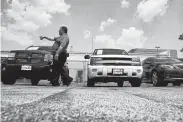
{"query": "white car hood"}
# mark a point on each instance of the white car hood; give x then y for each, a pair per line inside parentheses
(113, 56)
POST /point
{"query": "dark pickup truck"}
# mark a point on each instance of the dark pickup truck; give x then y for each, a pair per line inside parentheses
(33, 63)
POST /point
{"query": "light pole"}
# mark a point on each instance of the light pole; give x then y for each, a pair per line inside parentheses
(157, 48)
(181, 38)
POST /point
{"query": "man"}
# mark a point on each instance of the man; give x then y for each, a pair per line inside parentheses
(60, 57)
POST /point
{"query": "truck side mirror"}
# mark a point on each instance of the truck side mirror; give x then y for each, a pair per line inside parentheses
(87, 57)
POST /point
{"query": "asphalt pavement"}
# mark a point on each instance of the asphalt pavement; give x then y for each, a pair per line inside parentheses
(104, 102)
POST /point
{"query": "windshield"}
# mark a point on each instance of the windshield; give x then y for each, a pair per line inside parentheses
(167, 60)
(110, 52)
(32, 48)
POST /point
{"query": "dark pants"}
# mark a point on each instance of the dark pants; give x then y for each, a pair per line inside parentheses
(58, 68)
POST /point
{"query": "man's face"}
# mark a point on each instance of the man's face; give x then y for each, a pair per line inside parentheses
(60, 31)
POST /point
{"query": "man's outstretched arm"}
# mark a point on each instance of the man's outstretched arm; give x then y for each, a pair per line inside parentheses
(50, 39)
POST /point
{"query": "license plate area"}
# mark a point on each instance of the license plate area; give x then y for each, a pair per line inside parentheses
(26, 68)
(117, 71)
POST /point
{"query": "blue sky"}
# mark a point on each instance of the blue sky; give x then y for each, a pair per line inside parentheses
(133, 24)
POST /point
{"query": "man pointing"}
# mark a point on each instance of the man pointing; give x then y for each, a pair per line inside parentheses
(60, 57)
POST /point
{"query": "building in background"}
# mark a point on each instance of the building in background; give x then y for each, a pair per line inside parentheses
(144, 53)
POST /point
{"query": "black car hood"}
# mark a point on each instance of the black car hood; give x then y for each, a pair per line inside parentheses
(177, 64)
(170, 63)
(32, 51)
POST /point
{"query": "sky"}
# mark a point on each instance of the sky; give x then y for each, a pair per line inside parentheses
(124, 24)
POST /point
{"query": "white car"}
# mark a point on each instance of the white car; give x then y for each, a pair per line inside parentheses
(113, 65)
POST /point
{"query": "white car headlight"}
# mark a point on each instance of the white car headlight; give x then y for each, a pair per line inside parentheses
(94, 60)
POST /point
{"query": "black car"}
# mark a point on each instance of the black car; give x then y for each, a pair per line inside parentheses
(161, 71)
(181, 59)
(33, 63)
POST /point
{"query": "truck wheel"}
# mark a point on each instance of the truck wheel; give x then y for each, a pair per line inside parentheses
(90, 83)
(35, 81)
(120, 83)
(8, 80)
(136, 83)
(57, 81)
(176, 83)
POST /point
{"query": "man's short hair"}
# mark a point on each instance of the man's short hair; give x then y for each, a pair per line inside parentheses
(64, 29)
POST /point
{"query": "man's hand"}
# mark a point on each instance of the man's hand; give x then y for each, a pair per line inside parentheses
(56, 57)
(44, 37)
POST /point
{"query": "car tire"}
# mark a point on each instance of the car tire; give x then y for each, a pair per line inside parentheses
(90, 83)
(8, 80)
(120, 83)
(156, 80)
(136, 83)
(35, 81)
(176, 83)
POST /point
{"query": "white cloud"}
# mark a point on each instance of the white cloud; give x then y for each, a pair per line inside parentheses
(130, 38)
(87, 34)
(147, 10)
(107, 23)
(107, 41)
(46, 43)
(125, 4)
(22, 38)
(29, 16)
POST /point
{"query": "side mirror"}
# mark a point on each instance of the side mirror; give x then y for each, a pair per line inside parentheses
(87, 57)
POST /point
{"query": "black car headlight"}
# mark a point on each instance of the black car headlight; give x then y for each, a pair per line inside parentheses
(48, 58)
(11, 56)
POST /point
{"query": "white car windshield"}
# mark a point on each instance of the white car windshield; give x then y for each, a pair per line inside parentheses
(110, 52)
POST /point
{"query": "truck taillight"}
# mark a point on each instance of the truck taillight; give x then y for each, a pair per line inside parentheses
(11, 56)
(48, 58)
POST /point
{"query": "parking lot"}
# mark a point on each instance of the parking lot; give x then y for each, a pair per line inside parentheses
(104, 102)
